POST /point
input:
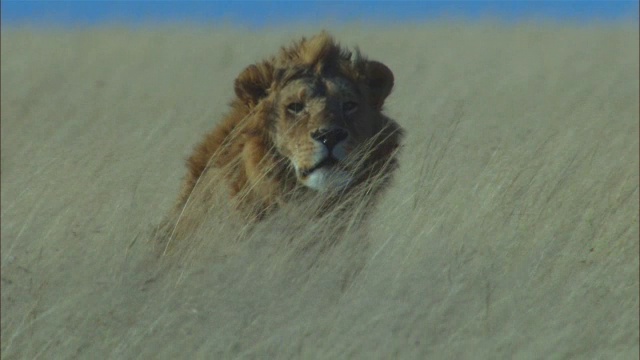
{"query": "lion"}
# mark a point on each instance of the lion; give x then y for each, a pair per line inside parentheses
(306, 120)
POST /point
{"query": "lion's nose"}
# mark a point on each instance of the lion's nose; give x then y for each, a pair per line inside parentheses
(330, 137)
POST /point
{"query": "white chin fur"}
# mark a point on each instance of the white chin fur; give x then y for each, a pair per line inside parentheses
(327, 180)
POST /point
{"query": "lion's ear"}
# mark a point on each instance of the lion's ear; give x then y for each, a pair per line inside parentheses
(379, 79)
(253, 82)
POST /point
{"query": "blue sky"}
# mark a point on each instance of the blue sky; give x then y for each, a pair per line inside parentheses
(256, 14)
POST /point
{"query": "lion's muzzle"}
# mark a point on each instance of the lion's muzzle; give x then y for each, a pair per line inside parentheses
(325, 173)
(330, 137)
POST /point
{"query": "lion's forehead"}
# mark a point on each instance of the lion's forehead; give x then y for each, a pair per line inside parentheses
(340, 86)
(324, 87)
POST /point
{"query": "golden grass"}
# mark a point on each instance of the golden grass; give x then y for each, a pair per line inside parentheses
(509, 231)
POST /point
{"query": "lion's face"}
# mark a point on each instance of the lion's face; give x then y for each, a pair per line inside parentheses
(320, 109)
(318, 123)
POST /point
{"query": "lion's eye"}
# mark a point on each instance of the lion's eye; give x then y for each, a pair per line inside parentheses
(295, 107)
(349, 107)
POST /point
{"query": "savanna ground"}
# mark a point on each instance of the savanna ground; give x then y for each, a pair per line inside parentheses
(510, 230)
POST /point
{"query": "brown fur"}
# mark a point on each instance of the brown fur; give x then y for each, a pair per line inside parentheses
(248, 145)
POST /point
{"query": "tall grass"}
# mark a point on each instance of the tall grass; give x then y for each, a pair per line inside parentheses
(510, 229)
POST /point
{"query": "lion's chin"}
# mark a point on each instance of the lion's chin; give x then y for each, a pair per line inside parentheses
(327, 180)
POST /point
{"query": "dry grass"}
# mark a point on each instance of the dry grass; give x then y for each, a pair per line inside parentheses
(510, 230)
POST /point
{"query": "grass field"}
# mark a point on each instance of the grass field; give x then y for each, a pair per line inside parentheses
(510, 230)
